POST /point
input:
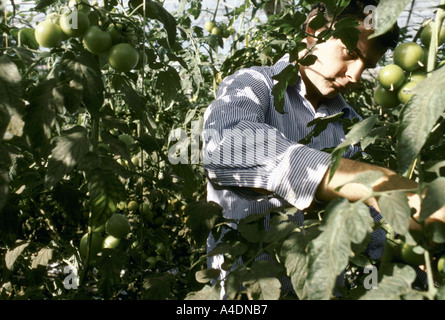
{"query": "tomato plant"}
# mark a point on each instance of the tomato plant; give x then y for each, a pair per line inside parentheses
(85, 155)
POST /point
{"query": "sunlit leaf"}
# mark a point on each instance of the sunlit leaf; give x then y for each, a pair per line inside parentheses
(396, 210)
(106, 191)
(329, 253)
(419, 117)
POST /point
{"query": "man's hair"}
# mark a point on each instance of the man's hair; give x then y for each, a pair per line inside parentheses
(356, 9)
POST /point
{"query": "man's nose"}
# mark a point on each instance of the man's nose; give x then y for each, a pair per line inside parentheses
(355, 71)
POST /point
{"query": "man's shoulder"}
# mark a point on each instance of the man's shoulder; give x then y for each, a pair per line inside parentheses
(263, 73)
(276, 68)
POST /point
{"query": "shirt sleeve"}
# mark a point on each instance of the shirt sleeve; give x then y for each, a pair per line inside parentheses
(241, 150)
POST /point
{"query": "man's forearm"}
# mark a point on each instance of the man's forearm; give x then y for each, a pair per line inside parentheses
(348, 170)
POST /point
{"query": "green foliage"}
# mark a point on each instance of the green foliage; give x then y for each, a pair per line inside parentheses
(64, 169)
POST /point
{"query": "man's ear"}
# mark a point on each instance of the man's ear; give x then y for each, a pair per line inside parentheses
(311, 33)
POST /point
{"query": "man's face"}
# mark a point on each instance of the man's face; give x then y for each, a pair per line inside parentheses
(336, 69)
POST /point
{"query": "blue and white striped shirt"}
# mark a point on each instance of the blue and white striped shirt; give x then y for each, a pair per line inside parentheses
(248, 144)
(293, 171)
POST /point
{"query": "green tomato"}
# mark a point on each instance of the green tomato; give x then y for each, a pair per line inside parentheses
(409, 255)
(391, 77)
(132, 205)
(209, 25)
(123, 57)
(96, 246)
(117, 225)
(409, 56)
(96, 40)
(225, 32)
(426, 34)
(111, 242)
(216, 31)
(417, 76)
(385, 97)
(48, 34)
(127, 139)
(74, 24)
(404, 94)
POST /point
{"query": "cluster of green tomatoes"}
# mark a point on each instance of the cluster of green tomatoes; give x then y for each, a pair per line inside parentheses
(218, 29)
(79, 21)
(115, 228)
(396, 81)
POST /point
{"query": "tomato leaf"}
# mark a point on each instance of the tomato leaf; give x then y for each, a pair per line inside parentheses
(10, 92)
(106, 191)
(393, 286)
(186, 173)
(12, 255)
(287, 77)
(357, 132)
(418, 118)
(434, 198)
(262, 288)
(206, 275)
(252, 232)
(319, 125)
(154, 10)
(26, 37)
(396, 210)
(386, 15)
(84, 73)
(111, 263)
(346, 31)
(329, 253)
(42, 4)
(70, 149)
(40, 116)
(169, 83)
(202, 217)
(42, 258)
(208, 292)
(296, 260)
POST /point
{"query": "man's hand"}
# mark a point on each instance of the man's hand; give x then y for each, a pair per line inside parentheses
(346, 172)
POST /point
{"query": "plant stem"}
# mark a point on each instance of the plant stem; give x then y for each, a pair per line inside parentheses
(216, 10)
(431, 288)
(440, 15)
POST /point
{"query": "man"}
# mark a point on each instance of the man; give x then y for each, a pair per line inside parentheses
(252, 156)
